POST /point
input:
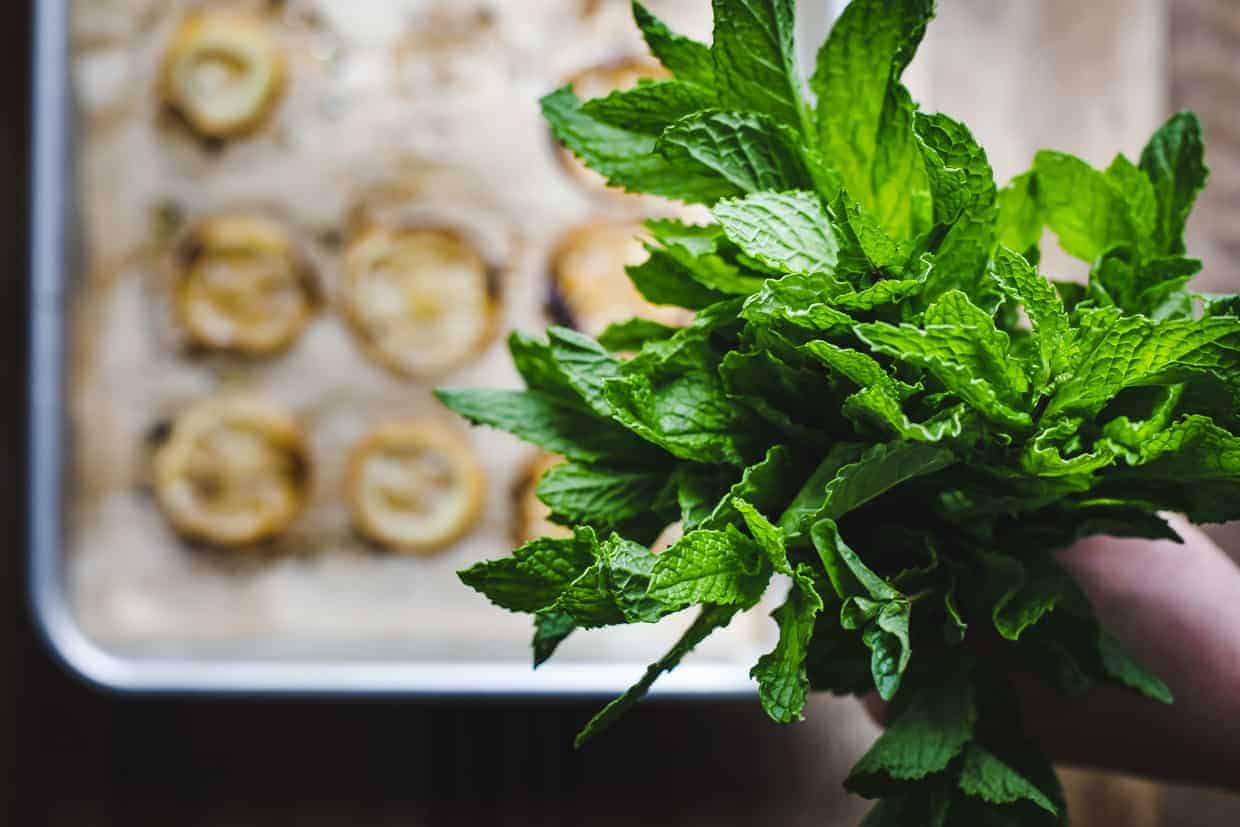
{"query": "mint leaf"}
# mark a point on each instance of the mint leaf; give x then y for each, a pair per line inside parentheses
(961, 347)
(634, 333)
(625, 158)
(985, 776)
(786, 231)
(743, 152)
(534, 576)
(550, 630)
(550, 423)
(1020, 221)
(783, 684)
(649, 108)
(1047, 316)
(684, 57)
(923, 736)
(755, 59)
(599, 496)
(718, 567)
(865, 116)
(1082, 206)
(1174, 161)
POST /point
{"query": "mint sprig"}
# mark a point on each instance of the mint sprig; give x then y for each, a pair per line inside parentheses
(881, 399)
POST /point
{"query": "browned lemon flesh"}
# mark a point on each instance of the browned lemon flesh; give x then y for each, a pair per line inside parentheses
(414, 486)
(223, 72)
(597, 82)
(588, 277)
(232, 472)
(531, 517)
(240, 285)
(418, 300)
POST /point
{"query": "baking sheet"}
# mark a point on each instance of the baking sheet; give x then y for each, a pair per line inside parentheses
(378, 119)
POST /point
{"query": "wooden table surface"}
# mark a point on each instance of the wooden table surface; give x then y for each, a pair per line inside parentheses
(85, 758)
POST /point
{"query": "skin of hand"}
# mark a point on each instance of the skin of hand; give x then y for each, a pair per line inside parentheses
(1176, 608)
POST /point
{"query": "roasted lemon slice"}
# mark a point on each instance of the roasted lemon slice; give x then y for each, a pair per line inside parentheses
(531, 517)
(413, 486)
(589, 286)
(232, 471)
(596, 82)
(419, 300)
(239, 284)
(222, 73)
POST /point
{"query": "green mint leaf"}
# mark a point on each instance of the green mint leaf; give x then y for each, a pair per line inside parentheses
(538, 368)
(533, 578)
(1120, 666)
(924, 735)
(800, 300)
(550, 423)
(1020, 221)
(1047, 316)
(649, 108)
(550, 630)
(961, 180)
(983, 775)
(961, 347)
(877, 407)
(865, 117)
(1138, 192)
(631, 335)
(674, 399)
(859, 368)
(710, 619)
(1084, 207)
(849, 576)
(584, 364)
(615, 588)
(755, 59)
(599, 496)
(687, 59)
(743, 152)
(627, 159)
(1174, 161)
(662, 279)
(786, 231)
(719, 567)
(1192, 466)
(782, 681)
(1116, 352)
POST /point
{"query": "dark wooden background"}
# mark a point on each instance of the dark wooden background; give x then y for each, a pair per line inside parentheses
(84, 758)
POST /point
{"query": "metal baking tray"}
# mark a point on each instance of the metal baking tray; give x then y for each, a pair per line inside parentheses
(250, 666)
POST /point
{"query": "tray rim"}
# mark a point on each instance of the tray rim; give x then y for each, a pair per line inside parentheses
(51, 249)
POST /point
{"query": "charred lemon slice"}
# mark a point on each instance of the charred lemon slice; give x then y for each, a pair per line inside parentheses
(239, 284)
(531, 515)
(413, 486)
(222, 73)
(589, 286)
(232, 472)
(419, 300)
(600, 81)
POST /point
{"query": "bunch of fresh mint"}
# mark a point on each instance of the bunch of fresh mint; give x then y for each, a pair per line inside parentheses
(881, 399)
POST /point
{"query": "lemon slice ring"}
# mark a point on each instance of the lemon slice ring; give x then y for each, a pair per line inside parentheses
(595, 82)
(420, 301)
(232, 472)
(413, 486)
(239, 284)
(589, 288)
(222, 73)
